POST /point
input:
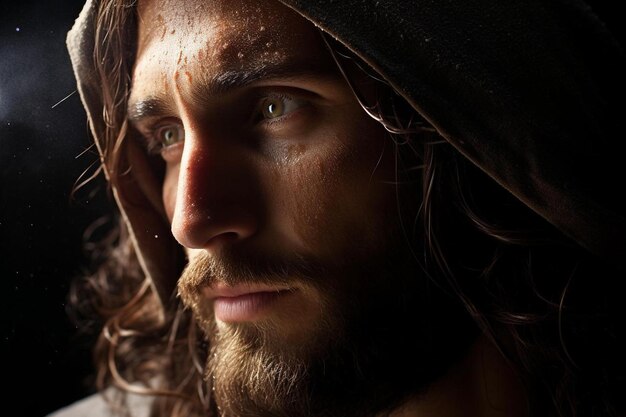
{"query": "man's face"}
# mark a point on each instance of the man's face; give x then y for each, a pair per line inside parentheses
(284, 193)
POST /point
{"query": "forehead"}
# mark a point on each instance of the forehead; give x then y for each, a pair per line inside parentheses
(244, 21)
(185, 37)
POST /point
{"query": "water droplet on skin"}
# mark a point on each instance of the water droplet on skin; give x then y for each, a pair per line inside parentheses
(240, 55)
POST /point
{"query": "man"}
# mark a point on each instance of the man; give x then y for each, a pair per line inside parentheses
(356, 208)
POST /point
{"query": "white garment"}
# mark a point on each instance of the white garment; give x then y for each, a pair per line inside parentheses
(96, 406)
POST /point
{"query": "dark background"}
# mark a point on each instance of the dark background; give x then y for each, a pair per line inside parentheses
(44, 149)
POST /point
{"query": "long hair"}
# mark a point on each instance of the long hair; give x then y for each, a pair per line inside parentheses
(549, 306)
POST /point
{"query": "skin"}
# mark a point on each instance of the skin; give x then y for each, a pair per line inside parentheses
(286, 166)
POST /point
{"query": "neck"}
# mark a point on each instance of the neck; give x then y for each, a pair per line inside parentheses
(483, 384)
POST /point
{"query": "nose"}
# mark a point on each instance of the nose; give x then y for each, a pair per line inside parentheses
(215, 203)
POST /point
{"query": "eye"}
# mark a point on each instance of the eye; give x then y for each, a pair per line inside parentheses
(169, 135)
(276, 106)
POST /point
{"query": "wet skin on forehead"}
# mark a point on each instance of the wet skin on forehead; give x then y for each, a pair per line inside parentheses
(214, 39)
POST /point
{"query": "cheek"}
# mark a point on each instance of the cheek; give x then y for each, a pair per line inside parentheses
(312, 202)
(340, 196)
(170, 188)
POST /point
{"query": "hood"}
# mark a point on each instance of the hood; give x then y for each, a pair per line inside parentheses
(528, 91)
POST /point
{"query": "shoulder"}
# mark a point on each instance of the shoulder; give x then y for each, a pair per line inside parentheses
(97, 406)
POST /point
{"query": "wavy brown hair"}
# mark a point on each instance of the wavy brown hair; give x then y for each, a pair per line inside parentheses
(547, 304)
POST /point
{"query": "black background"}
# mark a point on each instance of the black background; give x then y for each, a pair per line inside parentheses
(44, 148)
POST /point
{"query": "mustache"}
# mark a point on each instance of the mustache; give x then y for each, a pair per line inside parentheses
(234, 267)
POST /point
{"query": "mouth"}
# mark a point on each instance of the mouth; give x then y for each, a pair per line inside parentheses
(245, 303)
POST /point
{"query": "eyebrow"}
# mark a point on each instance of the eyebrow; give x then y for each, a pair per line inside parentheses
(146, 108)
(153, 106)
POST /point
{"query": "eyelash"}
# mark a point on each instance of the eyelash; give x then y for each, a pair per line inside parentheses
(154, 144)
(287, 101)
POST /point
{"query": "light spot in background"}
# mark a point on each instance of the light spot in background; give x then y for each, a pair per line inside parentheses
(17, 29)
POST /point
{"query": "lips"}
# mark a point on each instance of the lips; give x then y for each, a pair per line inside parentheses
(244, 303)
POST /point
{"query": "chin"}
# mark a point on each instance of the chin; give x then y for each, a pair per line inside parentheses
(347, 344)
(352, 361)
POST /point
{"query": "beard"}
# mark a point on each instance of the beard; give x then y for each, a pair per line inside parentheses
(385, 332)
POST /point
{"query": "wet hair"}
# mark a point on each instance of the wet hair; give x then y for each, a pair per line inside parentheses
(549, 306)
